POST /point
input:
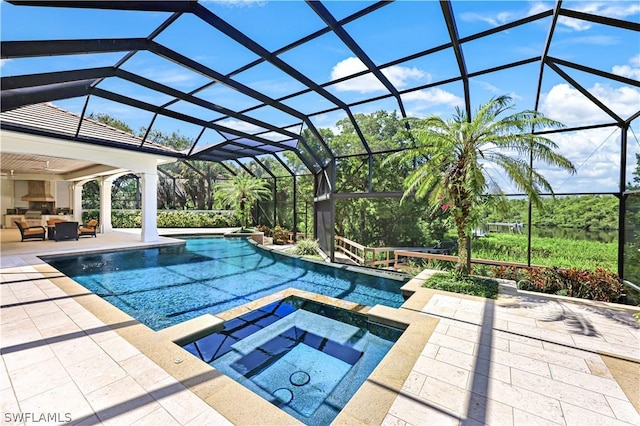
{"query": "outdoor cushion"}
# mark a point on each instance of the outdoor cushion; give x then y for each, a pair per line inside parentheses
(89, 229)
(27, 232)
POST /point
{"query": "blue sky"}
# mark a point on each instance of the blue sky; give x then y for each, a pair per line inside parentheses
(387, 34)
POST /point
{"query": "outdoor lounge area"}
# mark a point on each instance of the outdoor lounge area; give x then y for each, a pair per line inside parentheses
(232, 212)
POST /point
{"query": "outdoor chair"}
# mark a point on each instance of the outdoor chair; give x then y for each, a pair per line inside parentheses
(30, 232)
(88, 230)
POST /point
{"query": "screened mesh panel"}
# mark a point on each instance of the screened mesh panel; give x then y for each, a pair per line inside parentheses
(265, 209)
(304, 201)
(388, 222)
(632, 246)
(284, 202)
(352, 174)
(324, 225)
(561, 234)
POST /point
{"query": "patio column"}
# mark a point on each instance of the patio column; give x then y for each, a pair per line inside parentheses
(149, 207)
(77, 201)
(105, 204)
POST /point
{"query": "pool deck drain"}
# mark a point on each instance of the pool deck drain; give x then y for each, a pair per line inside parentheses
(523, 359)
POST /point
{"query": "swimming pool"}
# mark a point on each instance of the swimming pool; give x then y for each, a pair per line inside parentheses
(305, 357)
(164, 286)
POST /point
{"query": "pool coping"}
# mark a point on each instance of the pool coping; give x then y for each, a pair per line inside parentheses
(369, 405)
(392, 275)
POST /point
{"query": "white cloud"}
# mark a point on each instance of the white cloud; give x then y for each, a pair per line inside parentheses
(399, 76)
(241, 126)
(567, 105)
(632, 70)
(434, 96)
(423, 102)
(595, 154)
(610, 9)
(503, 17)
(171, 76)
(4, 62)
(539, 7)
(574, 24)
(489, 19)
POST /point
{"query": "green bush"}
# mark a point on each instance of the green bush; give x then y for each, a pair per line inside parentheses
(188, 219)
(473, 285)
(88, 215)
(601, 284)
(280, 235)
(126, 219)
(265, 229)
(167, 219)
(306, 247)
(505, 272)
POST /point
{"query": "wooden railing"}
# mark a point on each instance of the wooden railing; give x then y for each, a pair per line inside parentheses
(447, 258)
(366, 256)
(383, 257)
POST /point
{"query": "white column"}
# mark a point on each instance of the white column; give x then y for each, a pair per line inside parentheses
(77, 201)
(149, 207)
(105, 204)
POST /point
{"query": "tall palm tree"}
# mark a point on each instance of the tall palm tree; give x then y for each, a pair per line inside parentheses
(241, 192)
(452, 156)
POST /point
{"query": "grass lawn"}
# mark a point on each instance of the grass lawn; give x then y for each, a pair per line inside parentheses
(472, 285)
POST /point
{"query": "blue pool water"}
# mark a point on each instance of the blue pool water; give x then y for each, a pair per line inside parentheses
(164, 286)
(307, 358)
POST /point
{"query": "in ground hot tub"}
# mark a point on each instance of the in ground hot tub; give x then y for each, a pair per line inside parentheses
(305, 357)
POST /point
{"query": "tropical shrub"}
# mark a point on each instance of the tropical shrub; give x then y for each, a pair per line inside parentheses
(265, 230)
(241, 193)
(505, 272)
(544, 280)
(188, 219)
(88, 215)
(601, 284)
(126, 219)
(169, 219)
(306, 247)
(280, 235)
(463, 284)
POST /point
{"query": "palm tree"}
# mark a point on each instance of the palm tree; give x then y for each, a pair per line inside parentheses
(241, 192)
(451, 158)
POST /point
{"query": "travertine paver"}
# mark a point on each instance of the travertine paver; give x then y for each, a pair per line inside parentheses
(529, 361)
(60, 361)
(523, 360)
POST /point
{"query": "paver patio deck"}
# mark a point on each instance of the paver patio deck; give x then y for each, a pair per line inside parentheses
(523, 359)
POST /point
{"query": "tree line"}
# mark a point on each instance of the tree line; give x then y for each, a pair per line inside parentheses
(374, 222)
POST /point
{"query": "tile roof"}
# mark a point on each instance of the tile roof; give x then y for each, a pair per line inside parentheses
(45, 118)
